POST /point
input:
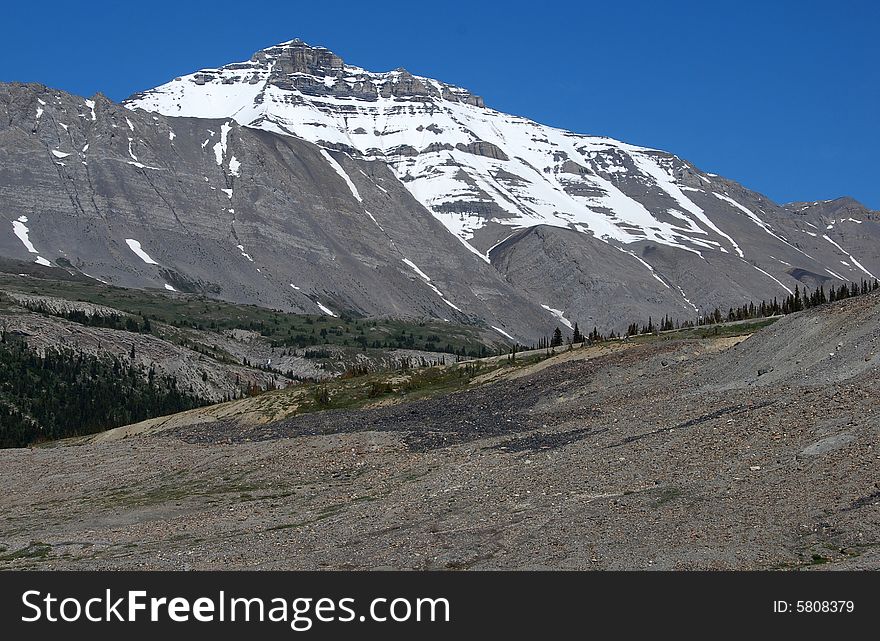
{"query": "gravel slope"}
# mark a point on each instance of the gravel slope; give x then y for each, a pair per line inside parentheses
(669, 455)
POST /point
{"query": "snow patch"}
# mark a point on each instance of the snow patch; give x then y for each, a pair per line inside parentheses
(339, 170)
(327, 310)
(373, 218)
(851, 257)
(502, 332)
(21, 230)
(220, 147)
(646, 264)
(647, 165)
(686, 299)
(560, 315)
(416, 269)
(773, 278)
(135, 246)
(141, 165)
(244, 253)
(428, 282)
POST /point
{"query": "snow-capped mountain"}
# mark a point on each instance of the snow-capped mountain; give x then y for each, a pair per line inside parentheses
(473, 167)
(481, 172)
(294, 180)
(486, 175)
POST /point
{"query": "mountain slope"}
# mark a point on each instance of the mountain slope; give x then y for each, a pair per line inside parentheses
(485, 174)
(295, 181)
(141, 200)
(665, 454)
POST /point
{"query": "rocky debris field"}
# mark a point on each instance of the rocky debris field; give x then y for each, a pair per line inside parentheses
(727, 453)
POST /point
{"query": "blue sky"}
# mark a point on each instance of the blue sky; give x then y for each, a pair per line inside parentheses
(782, 96)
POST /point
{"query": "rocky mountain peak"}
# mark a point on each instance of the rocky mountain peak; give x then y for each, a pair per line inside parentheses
(316, 71)
(484, 175)
(298, 57)
(844, 207)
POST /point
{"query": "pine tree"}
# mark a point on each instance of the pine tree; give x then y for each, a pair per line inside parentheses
(576, 337)
(556, 341)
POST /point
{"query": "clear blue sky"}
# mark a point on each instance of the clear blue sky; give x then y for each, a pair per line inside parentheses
(782, 96)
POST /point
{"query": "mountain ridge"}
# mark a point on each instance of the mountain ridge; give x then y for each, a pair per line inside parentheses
(310, 192)
(582, 195)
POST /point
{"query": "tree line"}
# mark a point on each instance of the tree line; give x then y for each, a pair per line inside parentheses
(798, 300)
(63, 392)
(123, 322)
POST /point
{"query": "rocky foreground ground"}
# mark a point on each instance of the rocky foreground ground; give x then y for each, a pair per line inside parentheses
(756, 453)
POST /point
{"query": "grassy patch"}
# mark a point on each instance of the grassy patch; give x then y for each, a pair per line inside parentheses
(35, 550)
(410, 385)
(666, 494)
(180, 489)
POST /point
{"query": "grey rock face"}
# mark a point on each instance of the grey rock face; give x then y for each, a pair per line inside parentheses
(316, 71)
(295, 181)
(483, 148)
(142, 200)
(486, 175)
(851, 228)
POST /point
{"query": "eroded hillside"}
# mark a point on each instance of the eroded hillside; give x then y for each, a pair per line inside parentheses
(714, 452)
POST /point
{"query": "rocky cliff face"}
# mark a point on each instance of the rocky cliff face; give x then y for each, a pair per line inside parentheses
(297, 181)
(208, 206)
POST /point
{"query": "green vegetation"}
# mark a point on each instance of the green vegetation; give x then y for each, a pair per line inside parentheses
(360, 389)
(797, 301)
(665, 495)
(65, 393)
(122, 322)
(36, 550)
(707, 331)
(353, 392)
(178, 488)
(281, 329)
